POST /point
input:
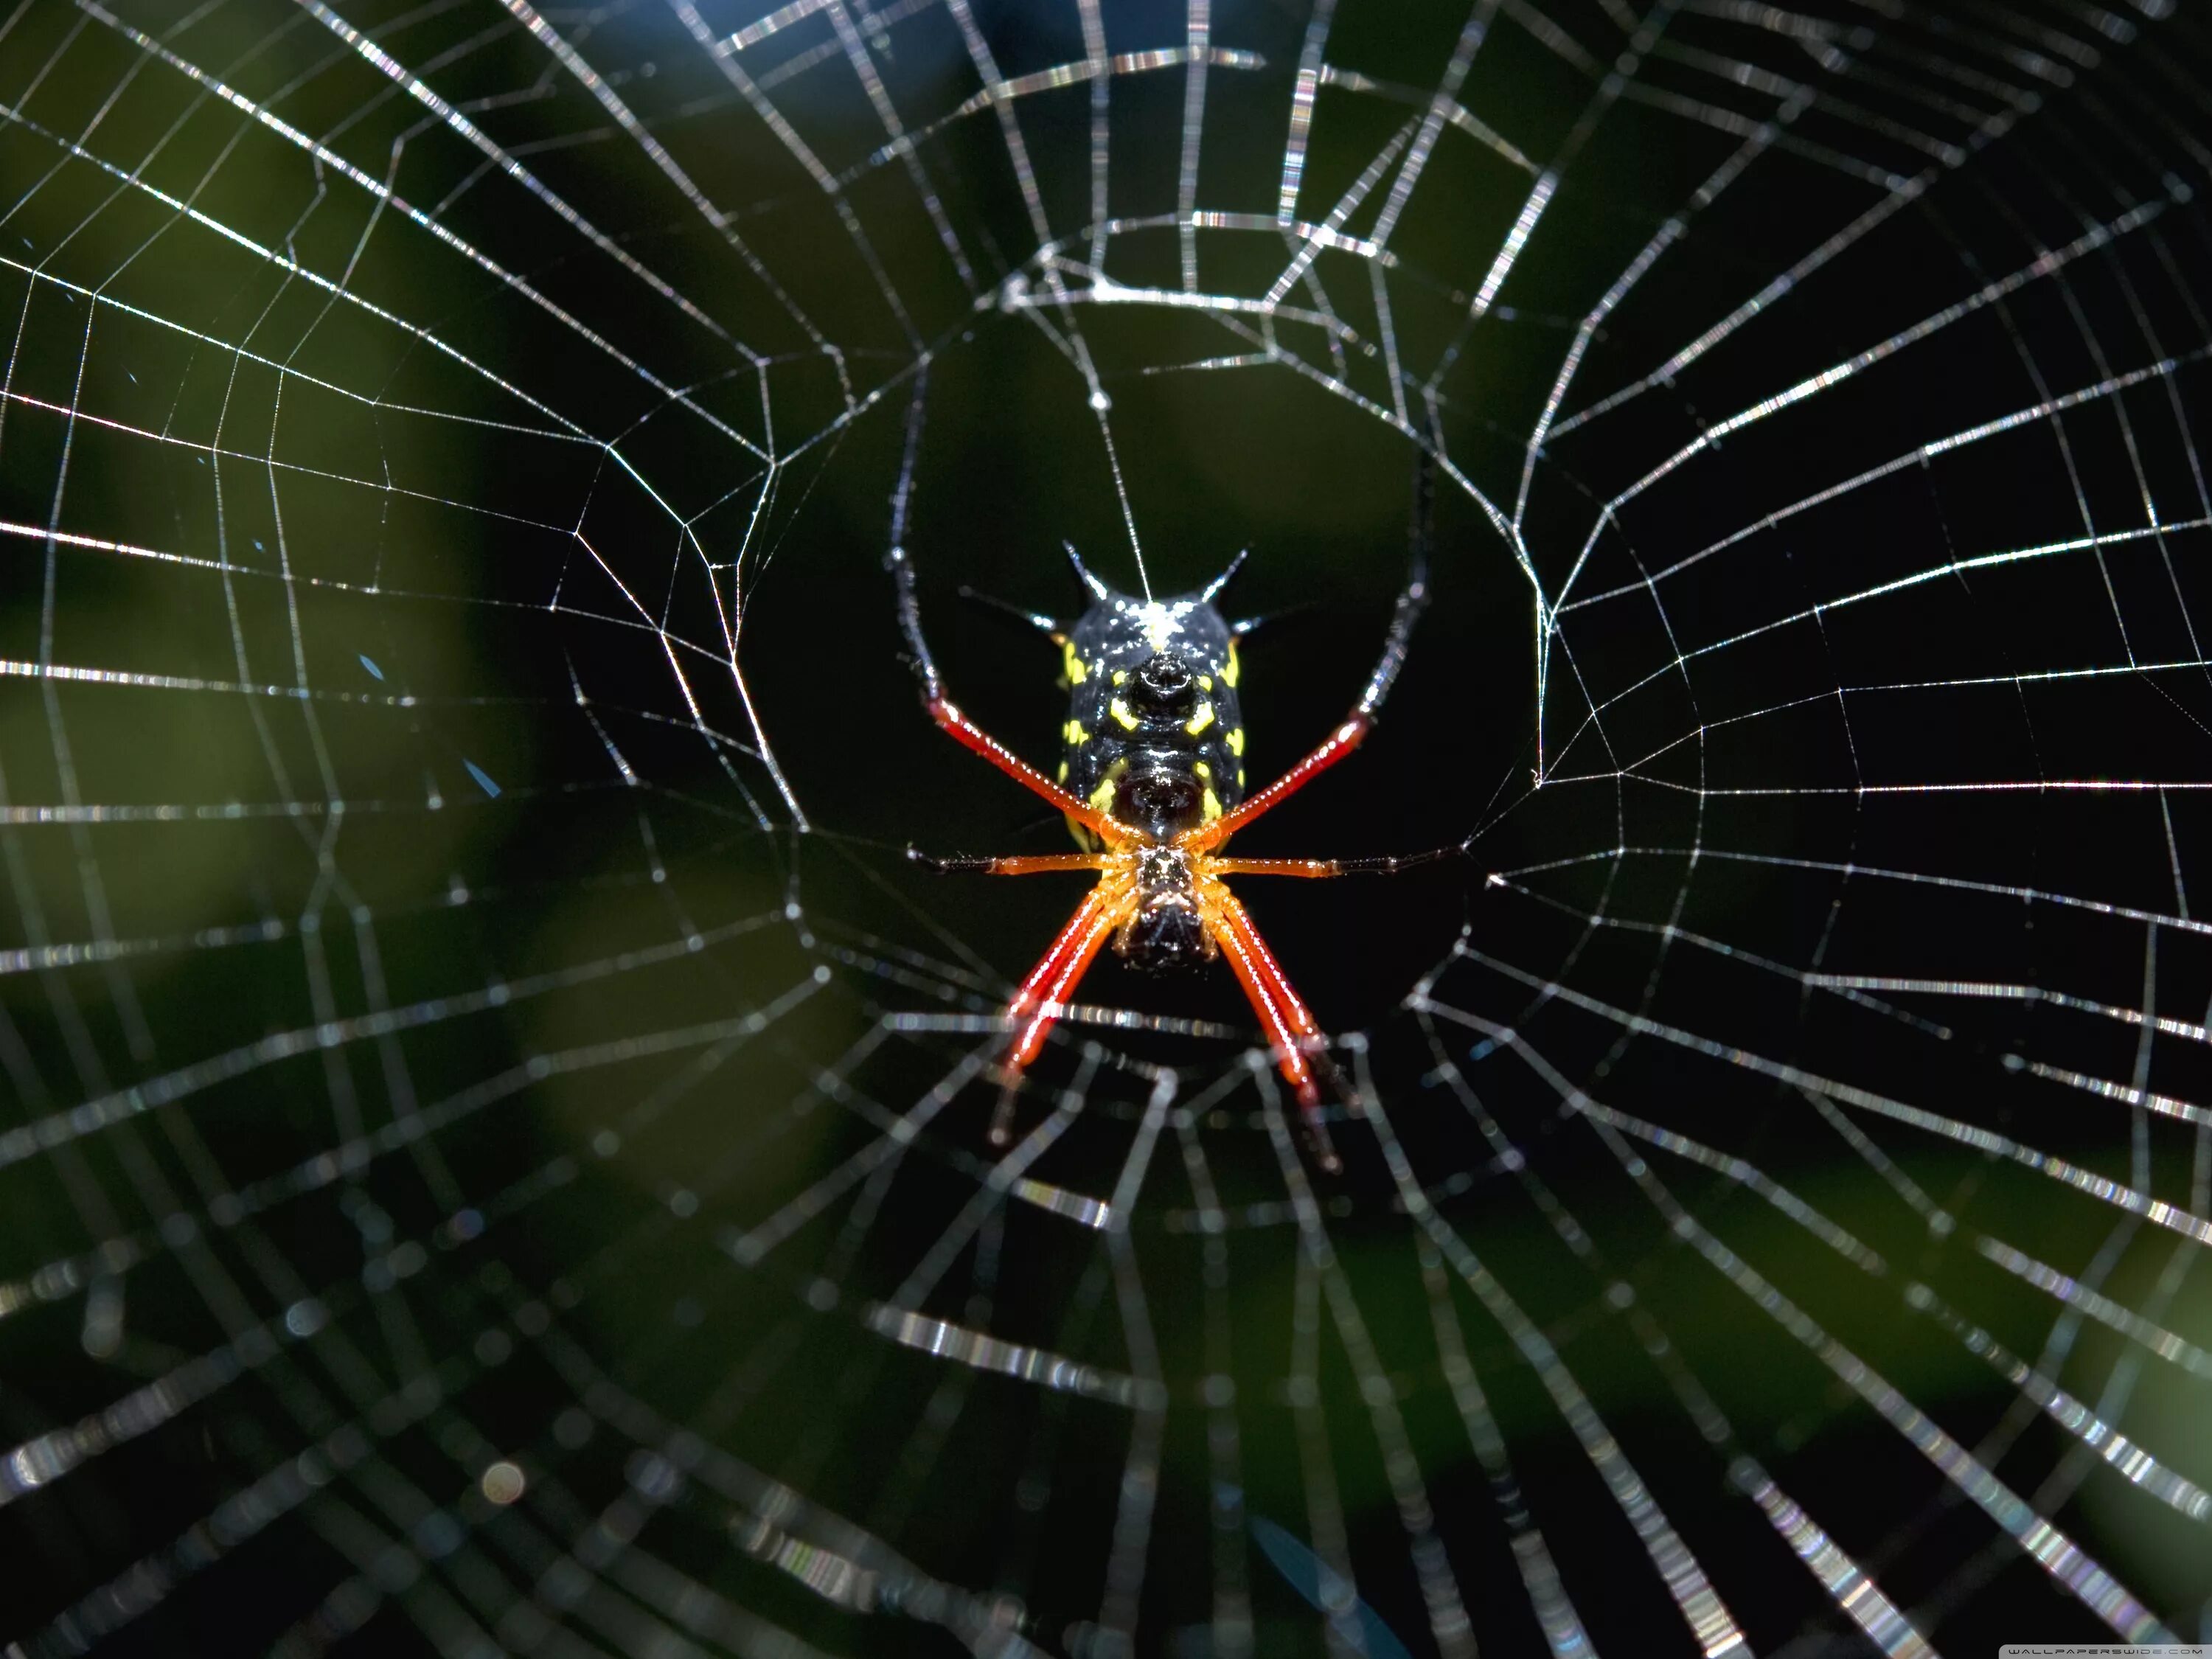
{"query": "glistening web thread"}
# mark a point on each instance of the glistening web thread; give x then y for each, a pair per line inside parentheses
(493, 1150)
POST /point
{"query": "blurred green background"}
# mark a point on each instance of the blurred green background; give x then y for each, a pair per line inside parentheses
(437, 1034)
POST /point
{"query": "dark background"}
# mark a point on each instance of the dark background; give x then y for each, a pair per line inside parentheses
(379, 1128)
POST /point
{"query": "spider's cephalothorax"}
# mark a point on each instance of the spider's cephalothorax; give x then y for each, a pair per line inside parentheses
(1152, 784)
(1168, 929)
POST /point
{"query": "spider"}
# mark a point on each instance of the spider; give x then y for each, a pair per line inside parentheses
(1152, 783)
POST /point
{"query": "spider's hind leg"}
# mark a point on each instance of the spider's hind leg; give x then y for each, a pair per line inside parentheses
(1037, 1006)
(1300, 1047)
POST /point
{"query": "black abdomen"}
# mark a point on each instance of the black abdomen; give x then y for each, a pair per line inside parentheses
(1155, 737)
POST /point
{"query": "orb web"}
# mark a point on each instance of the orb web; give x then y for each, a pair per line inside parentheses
(495, 1157)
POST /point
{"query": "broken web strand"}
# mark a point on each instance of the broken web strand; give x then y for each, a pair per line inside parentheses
(384, 1516)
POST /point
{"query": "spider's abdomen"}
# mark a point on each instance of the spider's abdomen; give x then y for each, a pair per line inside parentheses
(1154, 737)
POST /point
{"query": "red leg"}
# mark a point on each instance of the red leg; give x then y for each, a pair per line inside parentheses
(1105, 909)
(1297, 1041)
(1035, 1007)
(942, 709)
(966, 732)
(1338, 744)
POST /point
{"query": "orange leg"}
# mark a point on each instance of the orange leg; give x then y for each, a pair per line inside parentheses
(1318, 868)
(1335, 747)
(1299, 1045)
(1038, 865)
(1326, 868)
(1035, 1007)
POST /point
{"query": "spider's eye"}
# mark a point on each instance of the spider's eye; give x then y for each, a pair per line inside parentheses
(1164, 686)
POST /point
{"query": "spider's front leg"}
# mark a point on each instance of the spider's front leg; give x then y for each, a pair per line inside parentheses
(1351, 732)
(970, 736)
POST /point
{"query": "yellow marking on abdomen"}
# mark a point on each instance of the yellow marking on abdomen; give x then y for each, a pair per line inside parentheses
(1198, 722)
(1077, 668)
(1209, 806)
(1122, 717)
(1236, 740)
(1229, 669)
(1102, 798)
(1073, 732)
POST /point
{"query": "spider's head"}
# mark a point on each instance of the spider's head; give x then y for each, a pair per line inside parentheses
(1167, 933)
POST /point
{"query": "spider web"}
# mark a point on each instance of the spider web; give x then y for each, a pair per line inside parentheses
(494, 1158)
